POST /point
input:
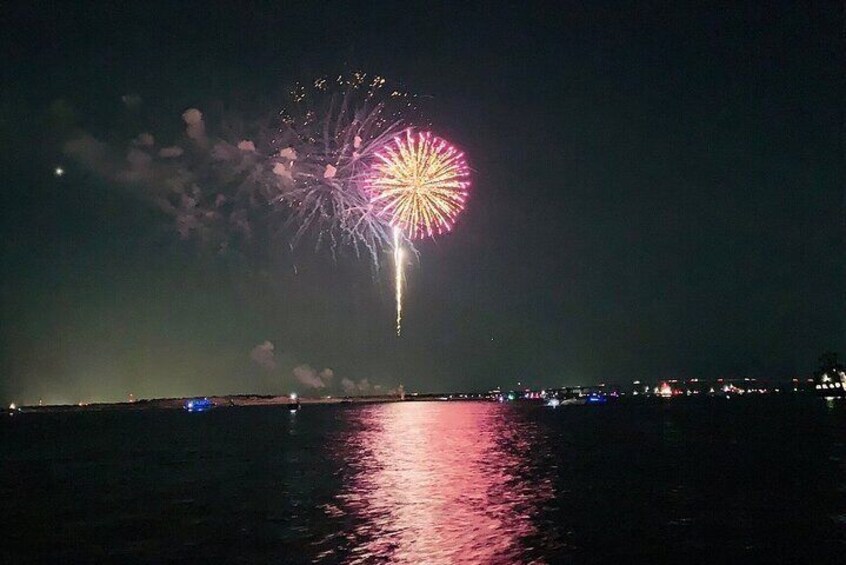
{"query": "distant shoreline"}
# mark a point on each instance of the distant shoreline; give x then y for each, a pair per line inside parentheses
(243, 400)
(221, 401)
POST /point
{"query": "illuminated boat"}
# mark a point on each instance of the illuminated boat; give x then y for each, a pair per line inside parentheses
(570, 399)
(830, 379)
(574, 401)
(294, 403)
(198, 405)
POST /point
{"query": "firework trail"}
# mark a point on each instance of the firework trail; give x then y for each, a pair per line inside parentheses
(419, 184)
(398, 277)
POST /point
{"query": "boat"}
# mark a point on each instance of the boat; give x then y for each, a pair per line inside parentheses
(574, 401)
(294, 403)
(570, 399)
(198, 405)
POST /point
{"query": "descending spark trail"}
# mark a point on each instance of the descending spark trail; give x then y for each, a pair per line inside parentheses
(398, 277)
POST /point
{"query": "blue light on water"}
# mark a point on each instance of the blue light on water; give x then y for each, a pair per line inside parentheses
(198, 405)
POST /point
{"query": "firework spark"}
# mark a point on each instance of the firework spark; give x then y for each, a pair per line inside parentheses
(419, 184)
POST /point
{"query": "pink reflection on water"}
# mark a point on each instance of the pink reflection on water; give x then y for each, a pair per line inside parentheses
(441, 483)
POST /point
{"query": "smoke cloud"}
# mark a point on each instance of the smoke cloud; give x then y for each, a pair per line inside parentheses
(145, 140)
(90, 152)
(195, 127)
(309, 377)
(361, 387)
(138, 159)
(247, 145)
(263, 355)
(170, 152)
(281, 170)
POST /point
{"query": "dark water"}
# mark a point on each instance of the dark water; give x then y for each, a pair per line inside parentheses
(680, 481)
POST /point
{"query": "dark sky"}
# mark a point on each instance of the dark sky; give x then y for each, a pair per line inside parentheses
(658, 192)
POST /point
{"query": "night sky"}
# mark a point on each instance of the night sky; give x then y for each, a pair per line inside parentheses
(657, 193)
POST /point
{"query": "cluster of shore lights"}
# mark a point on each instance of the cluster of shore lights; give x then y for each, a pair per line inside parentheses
(827, 383)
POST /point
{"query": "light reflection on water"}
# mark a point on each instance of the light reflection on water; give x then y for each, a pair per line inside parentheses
(746, 480)
(428, 483)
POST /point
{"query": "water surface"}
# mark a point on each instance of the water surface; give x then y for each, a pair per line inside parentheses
(431, 482)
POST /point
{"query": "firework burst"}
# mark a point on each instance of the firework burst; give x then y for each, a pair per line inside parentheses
(330, 134)
(419, 184)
